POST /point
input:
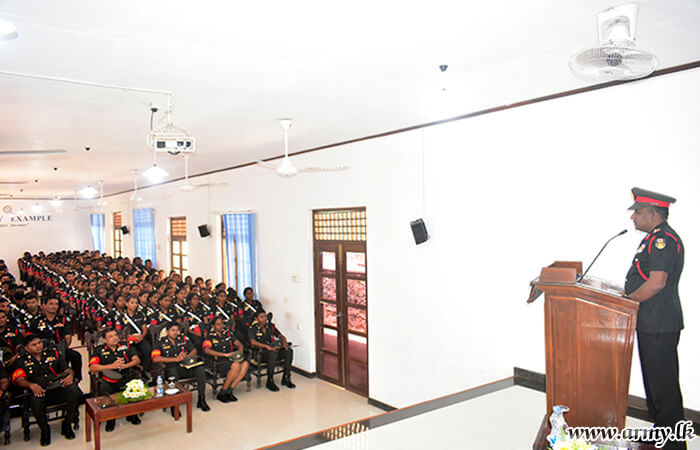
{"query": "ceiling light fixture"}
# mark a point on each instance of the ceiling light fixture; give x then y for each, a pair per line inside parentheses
(7, 30)
(135, 197)
(102, 201)
(88, 192)
(56, 202)
(154, 173)
(37, 208)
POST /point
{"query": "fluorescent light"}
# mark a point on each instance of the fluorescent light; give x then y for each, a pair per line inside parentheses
(7, 30)
(135, 197)
(88, 192)
(37, 208)
(56, 202)
(155, 173)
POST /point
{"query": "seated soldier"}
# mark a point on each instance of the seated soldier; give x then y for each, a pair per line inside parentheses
(221, 345)
(249, 298)
(262, 335)
(4, 400)
(46, 374)
(136, 328)
(54, 327)
(10, 338)
(171, 350)
(115, 356)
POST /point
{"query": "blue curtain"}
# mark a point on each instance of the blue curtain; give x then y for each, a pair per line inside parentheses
(240, 236)
(145, 235)
(97, 225)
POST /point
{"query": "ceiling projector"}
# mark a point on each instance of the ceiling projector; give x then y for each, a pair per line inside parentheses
(171, 142)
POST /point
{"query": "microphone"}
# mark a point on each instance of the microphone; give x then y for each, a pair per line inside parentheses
(601, 251)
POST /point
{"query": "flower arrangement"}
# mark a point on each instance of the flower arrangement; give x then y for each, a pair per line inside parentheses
(135, 391)
(573, 444)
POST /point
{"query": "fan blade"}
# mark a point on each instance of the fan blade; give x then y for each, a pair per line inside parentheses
(324, 169)
(31, 152)
(265, 164)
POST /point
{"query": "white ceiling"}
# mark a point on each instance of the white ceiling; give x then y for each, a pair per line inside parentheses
(341, 71)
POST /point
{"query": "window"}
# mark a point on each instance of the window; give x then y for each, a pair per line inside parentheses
(178, 245)
(117, 234)
(238, 250)
(97, 226)
(145, 235)
(340, 225)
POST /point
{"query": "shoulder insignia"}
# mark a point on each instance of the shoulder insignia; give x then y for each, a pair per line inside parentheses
(656, 230)
(660, 243)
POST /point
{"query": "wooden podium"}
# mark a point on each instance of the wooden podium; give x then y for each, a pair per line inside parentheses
(589, 338)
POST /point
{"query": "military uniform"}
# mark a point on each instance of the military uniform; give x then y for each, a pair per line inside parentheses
(12, 338)
(224, 343)
(104, 355)
(659, 318)
(166, 348)
(53, 332)
(42, 372)
(113, 319)
(144, 347)
(228, 312)
(266, 335)
(158, 316)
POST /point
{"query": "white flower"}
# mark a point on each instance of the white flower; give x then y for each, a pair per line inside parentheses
(574, 444)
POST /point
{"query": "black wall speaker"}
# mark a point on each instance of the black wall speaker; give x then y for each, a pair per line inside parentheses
(203, 231)
(125, 230)
(420, 233)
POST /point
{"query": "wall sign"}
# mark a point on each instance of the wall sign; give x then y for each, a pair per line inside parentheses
(10, 219)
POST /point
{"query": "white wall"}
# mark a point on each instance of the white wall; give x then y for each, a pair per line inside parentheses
(53, 230)
(505, 194)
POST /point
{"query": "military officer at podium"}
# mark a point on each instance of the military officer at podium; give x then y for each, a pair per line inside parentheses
(652, 280)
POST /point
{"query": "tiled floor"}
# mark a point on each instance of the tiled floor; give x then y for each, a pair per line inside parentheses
(503, 420)
(260, 417)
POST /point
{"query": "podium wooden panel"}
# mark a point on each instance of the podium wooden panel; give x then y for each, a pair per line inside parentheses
(589, 339)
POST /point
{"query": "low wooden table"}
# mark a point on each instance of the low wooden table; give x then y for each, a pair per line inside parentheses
(97, 414)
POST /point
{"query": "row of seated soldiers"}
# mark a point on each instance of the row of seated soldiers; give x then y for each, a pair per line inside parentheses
(126, 303)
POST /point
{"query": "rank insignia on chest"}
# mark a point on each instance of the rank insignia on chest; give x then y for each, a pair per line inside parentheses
(660, 243)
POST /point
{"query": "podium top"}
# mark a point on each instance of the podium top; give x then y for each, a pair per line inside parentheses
(565, 274)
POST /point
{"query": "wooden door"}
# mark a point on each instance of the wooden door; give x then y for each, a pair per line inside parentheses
(340, 276)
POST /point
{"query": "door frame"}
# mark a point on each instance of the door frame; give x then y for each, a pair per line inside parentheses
(340, 248)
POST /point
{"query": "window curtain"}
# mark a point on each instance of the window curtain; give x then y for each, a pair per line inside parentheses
(240, 239)
(97, 225)
(145, 234)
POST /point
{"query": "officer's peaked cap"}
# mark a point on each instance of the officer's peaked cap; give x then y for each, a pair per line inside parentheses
(644, 198)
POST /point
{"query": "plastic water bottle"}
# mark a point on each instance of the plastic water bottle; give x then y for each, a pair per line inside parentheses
(159, 387)
(558, 423)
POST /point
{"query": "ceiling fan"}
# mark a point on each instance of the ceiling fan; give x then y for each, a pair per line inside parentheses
(285, 168)
(188, 186)
(31, 152)
(14, 182)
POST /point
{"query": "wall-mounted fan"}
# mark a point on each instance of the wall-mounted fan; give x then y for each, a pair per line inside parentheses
(285, 168)
(617, 56)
